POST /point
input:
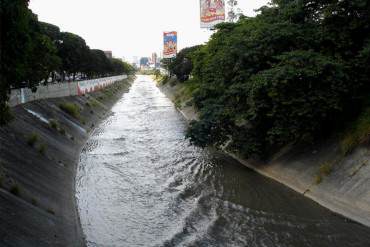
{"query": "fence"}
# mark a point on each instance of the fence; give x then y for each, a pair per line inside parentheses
(24, 95)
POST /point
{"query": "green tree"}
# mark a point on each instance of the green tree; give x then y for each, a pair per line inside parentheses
(14, 47)
(289, 74)
(74, 53)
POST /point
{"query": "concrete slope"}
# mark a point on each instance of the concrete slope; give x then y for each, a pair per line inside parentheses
(39, 152)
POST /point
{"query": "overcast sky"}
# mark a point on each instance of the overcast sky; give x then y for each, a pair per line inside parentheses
(130, 27)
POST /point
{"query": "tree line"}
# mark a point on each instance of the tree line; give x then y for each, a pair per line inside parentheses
(294, 73)
(34, 52)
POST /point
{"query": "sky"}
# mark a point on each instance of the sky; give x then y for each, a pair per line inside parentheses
(130, 27)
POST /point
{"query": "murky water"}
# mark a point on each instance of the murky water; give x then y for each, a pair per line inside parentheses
(140, 183)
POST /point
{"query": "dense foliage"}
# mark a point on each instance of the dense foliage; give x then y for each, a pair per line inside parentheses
(292, 73)
(32, 52)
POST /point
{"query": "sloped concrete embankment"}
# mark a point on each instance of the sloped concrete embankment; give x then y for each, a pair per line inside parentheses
(39, 154)
(344, 188)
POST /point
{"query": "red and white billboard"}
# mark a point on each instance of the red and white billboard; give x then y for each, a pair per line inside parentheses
(212, 12)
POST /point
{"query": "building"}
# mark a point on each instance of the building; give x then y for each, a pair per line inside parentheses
(108, 54)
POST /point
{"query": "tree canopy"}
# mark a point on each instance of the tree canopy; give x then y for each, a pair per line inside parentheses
(290, 74)
(33, 52)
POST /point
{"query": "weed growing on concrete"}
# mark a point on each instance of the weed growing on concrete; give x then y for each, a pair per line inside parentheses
(358, 133)
(34, 202)
(50, 211)
(62, 131)
(53, 124)
(71, 109)
(32, 139)
(15, 190)
(42, 149)
(326, 168)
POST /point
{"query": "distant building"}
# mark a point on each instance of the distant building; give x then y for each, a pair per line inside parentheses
(154, 58)
(135, 60)
(108, 54)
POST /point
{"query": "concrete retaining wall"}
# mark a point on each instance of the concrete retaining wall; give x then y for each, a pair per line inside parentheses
(24, 95)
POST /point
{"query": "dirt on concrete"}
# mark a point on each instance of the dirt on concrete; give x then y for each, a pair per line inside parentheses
(39, 154)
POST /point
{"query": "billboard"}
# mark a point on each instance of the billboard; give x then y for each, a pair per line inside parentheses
(170, 44)
(212, 12)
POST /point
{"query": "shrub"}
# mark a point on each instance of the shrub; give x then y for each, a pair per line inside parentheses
(42, 149)
(34, 202)
(53, 124)
(15, 190)
(71, 109)
(357, 133)
(50, 211)
(62, 131)
(32, 139)
(326, 169)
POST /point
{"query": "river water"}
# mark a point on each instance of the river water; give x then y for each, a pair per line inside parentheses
(140, 183)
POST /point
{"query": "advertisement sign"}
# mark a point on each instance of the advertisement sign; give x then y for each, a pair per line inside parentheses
(170, 44)
(212, 12)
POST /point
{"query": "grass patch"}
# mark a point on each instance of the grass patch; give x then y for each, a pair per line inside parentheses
(358, 133)
(34, 202)
(318, 179)
(62, 131)
(71, 109)
(15, 190)
(50, 211)
(32, 139)
(42, 149)
(324, 171)
(185, 92)
(83, 121)
(54, 124)
(92, 103)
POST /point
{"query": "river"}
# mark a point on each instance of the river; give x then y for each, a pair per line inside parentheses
(140, 183)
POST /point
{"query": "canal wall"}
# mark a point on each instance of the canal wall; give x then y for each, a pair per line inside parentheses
(39, 154)
(57, 90)
(344, 189)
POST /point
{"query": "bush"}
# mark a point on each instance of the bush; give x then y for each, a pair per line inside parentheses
(15, 190)
(53, 124)
(357, 133)
(71, 109)
(62, 131)
(42, 149)
(50, 211)
(326, 169)
(318, 179)
(32, 139)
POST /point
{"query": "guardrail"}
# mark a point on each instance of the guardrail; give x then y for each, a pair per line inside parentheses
(24, 95)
